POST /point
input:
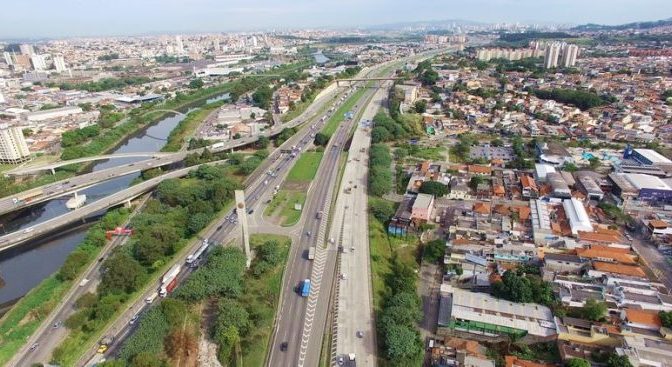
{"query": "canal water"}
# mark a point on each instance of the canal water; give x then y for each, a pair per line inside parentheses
(24, 267)
(320, 58)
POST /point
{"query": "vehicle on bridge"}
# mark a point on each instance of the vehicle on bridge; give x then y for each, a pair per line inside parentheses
(119, 231)
(305, 288)
(27, 196)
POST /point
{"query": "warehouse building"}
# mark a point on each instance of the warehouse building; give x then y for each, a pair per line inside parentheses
(577, 215)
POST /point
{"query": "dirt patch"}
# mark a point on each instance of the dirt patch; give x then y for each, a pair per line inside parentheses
(207, 350)
(296, 185)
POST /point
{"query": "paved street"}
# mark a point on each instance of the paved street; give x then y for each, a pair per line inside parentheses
(354, 306)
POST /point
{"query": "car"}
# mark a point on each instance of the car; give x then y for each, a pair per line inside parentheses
(250, 211)
(308, 233)
(360, 334)
(133, 319)
(34, 346)
(102, 349)
(57, 324)
(340, 360)
(283, 346)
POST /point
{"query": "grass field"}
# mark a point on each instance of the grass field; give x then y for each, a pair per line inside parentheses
(337, 117)
(181, 133)
(282, 206)
(264, 293)
(306, 167)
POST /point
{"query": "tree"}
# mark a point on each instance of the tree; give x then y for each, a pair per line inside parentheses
(146, 359)
(321, 139)
(196, 83)
(594, 162)
(666, 318)
(434, 188)
(434, 251)
(262, 142)
(594, 310)
(421, 106)
(121, 273)
(402, 342)
(380, 134)
(618, 361)
(513, 287)
(577, 362)
(569, 167)
(382, 210)
(262, 97)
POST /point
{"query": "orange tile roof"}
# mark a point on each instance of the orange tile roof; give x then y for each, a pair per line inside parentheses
(629, 270)
(656, 223)
(479, 169)
(645, 317)
(514, 361)
(528, 182)
(498, 190)
(599, 237)
(602, 252)
(482, 208)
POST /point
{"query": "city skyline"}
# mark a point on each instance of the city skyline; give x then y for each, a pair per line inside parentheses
(41, 19)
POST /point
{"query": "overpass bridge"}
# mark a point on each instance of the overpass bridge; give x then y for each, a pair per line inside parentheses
(122, 197)
(29, 170)
(351, 80)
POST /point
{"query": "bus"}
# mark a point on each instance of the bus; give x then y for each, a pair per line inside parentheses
(305, 288)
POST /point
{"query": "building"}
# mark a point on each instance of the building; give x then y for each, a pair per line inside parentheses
(422, 207)
(53, 113)
(38, 62)
(541, 171)
(541, 222)
(27, 49)
(553, 153)
(488, 153)
(578, 218)
(480, 313)
(649, 157)
(645, 351)
(650, 188)
(8, 58)
(558, 185)
(551, 56)
(564, 263)
(179, 46)
(530, 189)
(587, 185)
(59, 64)
(569, 55)
(13, 147)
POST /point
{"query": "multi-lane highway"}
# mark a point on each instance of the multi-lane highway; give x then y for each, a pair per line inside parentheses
(353, 324)
(51, 331)
(257, 191)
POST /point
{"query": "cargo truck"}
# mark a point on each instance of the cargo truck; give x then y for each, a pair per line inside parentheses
(191, 259)
(311, 253)
(169, 280)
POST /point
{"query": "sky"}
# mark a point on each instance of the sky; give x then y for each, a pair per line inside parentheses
(70, 18)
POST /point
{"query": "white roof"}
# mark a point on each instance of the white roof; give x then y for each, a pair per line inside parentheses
(482, 307)
(543, 169)
(653, 156)
(642, 181)
(576, 213)
(423, 201)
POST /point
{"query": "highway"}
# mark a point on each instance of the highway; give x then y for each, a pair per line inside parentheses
(51, 331)
(221, 232)
(353, 323)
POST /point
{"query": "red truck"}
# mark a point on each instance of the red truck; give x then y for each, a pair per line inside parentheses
(168, 288)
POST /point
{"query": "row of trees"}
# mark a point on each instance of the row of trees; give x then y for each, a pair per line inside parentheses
(103, 84)
(386, 128)
(400, 313)
(380, 173)
(79, 136)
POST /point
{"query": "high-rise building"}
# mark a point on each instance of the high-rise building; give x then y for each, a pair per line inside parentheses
(569, 54)
(179, 46)
(39, 64)
(13, 147)
(2, 98)
(27, 49)
(8, 58)
(59, 64)
(551, 55)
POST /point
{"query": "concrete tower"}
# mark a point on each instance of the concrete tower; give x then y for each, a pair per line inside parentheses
(241, 211)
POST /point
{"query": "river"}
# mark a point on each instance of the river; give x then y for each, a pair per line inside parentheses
(26, 266)
(320, 58)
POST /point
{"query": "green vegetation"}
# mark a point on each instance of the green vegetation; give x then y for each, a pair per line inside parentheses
(593, 310)
(244, 305)
(79, 136)
(386, 128)
(179, 135)
(338, 116)
(380, 173)
(196, 83)
(103, 84)
(618, 361)
(395, 300)
(434, 188)
(581, 99)
(25, 317)
(426, 74)
(165, 59)
(434, 251)
(282, 206)
(262, 97)
(523, 288)
(108, 57)
(577, 362)
(306, 166)
(666, 318)
(460, 151)
(181, 209)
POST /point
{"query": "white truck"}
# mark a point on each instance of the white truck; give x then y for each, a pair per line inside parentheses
(191, 259)
(311, 253)
(169, 280)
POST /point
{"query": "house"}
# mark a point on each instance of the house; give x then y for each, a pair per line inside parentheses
(641, 319)
(422, 208)
(564, 263)
(605, 268)
(530, 189)
(459, 190)
(587, 332)
(607, 254)
(514, 361)
(645, 351)
(474, 169)
(553, 153)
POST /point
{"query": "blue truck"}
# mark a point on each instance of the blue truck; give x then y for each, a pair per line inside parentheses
(305, 288)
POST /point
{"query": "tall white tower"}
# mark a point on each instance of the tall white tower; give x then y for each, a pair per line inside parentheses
(241, 211)
(179, 46)
(59, 64)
